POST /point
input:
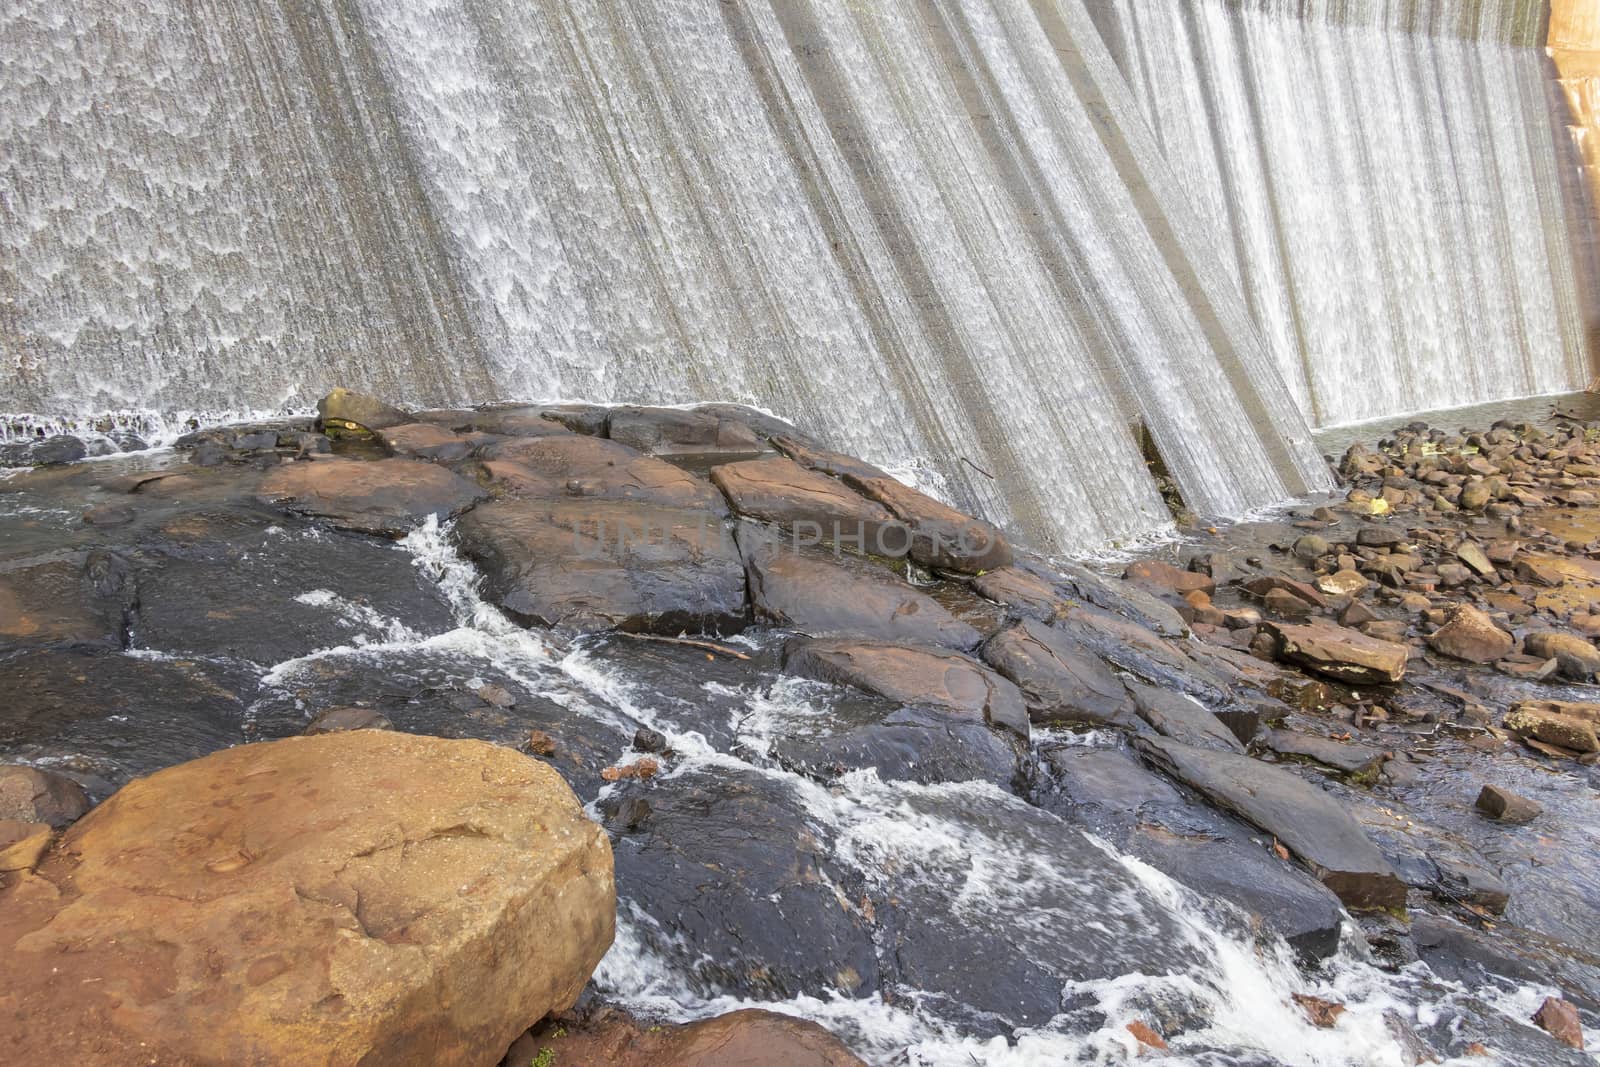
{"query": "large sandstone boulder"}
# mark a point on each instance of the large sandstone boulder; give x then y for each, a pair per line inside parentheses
(1339, 653)
(571, 465)
(388, 497)
(353, 898)
(58, 601)
(814, 506)
(810, 591)
(1181, 717)
(1027, 595)
(1309, 821)
(606, 564)
(1061, 680)
(925, 677)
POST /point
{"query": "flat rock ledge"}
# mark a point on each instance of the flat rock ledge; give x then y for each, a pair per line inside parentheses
(361, 897)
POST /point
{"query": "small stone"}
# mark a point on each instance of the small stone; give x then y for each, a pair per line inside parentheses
(1285, 605)
(648, 740)
(498, 696)
(1506, 806)
(1560, 1020)
(109, 515)
(28, 794)
(1343, 583)
(1357, 614)
(641, 769)
(1311, 547)
(334, 720)
(542, 744)
(1322, 1013)
(1379, 536)
(1147, 1036)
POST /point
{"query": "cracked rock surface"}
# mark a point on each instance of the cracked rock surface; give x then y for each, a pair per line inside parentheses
(353, 897)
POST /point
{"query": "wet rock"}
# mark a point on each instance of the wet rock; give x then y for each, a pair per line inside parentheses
(1471, 635)
(1182, 718)
(745, 1038)
(1357, 761)
(823, 595)
(1122, 599)
(593, 565)
(569, 465)
(246, 591)
(1132, 648)
(1267, 583)
(32, 795)
(334, 720)
(1146, 1037)
(1575, 658)
(925, 677)
(1560, 1020)
(733, 883)
(519, 420)
(344, 409)
(941, 536)
(1373, 536)
(813, 506)
(423, 440)
(1554, 724)
(1282, 604)
(1061, 680)
(1026, 594)
(1506, 806)
(666, 431)
(49, 451)
(1165, 578)
(301, 901)
(648, 740)
(1306, 819)
(903, 744)
(119, 716)
(388, 497)
(1339, 653)
(57, 602)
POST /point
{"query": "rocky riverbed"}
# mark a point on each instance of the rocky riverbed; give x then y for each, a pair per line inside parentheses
(1317, 789)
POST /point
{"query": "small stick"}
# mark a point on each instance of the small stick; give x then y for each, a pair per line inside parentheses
(712, 645)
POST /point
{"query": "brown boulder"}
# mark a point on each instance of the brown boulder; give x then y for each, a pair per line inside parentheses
(360, 897)
(387, 497)
(423, 440)
(22, 844)
(1552, 723)
(1161, 577)
(816, 507)
(1308, 820)
(1026, 594)
(1338, 653)
(667, 431)
(607, 564)
(28, 794)
(818, 594)
(1471, 635)
(570, 465)
(1060, 679)
(57, 602)
(1575, 657)
(924, 677)
(745, 1038)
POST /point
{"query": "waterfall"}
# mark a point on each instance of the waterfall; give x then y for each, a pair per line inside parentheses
(1393, 187)
(941, 234)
